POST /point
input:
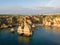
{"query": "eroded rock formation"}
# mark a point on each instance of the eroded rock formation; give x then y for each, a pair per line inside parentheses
(26, 24)
(25, 27)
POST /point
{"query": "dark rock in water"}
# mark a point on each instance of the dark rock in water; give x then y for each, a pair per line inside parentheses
(22, 34)
(28, 35)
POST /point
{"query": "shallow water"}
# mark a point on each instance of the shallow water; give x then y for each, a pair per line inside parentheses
(41, 36)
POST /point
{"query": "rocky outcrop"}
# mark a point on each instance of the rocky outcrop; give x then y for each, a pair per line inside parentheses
(29, 22)
(4, 26)
(12, 21)
(36, 18)
(26, 30)
(33, 26)
(51, 21)
(12, 30)
(46, 22)
(25, 24)
(56, 22)
(20, 30)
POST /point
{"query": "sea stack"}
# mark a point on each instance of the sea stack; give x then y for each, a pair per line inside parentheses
(27, 31)
(20, 30)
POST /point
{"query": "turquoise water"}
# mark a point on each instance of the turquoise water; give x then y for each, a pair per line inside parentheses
(41, 36)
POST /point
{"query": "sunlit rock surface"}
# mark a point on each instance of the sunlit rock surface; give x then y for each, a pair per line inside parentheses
(20, 30)
(12, 30)
(4, 26)
(56, 22)
(33, 26)
(26, 24)
(27, 29)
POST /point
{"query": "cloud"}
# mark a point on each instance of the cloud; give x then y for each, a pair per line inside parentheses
(39, 10)
(49, 8)
(54, 3)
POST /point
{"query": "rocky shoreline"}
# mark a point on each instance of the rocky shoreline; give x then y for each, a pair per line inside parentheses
(25, 24)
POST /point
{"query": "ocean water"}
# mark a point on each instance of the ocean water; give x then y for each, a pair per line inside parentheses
(41, 36)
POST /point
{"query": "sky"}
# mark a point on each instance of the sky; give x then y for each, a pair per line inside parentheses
(29, 6)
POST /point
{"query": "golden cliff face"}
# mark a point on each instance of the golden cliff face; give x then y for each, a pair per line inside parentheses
(11, 21)
(54, 21)
(26, 29)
